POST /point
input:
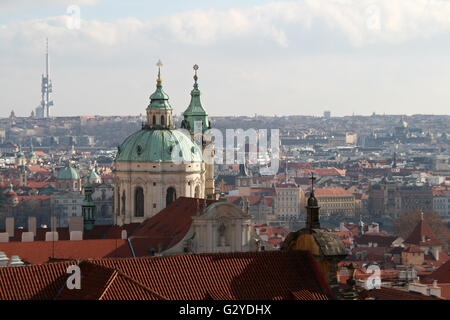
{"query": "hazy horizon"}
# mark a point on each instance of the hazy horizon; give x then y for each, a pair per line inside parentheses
(264, 57)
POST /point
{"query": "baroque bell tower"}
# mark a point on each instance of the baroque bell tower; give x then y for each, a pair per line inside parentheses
(197, 122)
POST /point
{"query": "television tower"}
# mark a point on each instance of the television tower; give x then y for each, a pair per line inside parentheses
(43, 111)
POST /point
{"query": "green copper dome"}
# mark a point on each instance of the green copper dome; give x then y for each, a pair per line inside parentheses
(159, 146)
(159, 99)
(93, 175)
(68, 173)
(32, 155)
(20, 153)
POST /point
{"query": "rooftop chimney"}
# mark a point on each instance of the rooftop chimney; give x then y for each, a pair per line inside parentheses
(4, 237)
(27, 236)
(51, 236)
(76, 235)
(53, 223)
(76, 224)
(32, 225)
(10, 226)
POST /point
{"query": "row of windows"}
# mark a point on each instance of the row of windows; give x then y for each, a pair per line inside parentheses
(171, 196)
(333, 199)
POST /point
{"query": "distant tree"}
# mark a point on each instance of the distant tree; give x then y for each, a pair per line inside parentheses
(408, 220)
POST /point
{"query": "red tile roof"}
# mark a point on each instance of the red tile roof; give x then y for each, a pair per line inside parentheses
(98, 232)
(382, 240)
(244, 276)
(40, 184)
(250, 276)
(35, 282)
(168, 227)
(331, 192)
(442, 275)
(41, 251)
(102, 283)
(423, 236)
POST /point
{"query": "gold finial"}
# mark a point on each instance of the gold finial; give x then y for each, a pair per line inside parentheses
(159, 65)
(195, 69)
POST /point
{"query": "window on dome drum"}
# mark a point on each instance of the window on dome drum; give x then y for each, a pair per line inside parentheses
(171, 195)
(197, 192)
(139, 202)
(154, 120)
(123, 203)
(162, 120)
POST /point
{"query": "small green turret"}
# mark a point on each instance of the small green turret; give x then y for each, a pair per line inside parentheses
(195, 111)
(88, 207)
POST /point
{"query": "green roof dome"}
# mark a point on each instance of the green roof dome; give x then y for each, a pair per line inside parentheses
(159, 146)
(20, 153)
(159, 99)
(93, 175)
(31, 155)
(68, 173)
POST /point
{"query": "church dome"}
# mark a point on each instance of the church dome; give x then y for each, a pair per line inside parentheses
(159, 146)
(68, 173)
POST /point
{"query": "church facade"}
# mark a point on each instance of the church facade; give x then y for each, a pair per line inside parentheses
(159, 163)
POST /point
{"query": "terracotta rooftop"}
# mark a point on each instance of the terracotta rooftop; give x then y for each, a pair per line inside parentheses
(331, 192)
(423, 236)
(242, 276)
(382, 240)
(168, 227)
(39, 252)
(442, 275)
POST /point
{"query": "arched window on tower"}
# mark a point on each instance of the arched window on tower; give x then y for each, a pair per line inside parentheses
(154, 120)
(139, 202)
(162, 120)
(197, 192)
(123, 203)
(171, 196)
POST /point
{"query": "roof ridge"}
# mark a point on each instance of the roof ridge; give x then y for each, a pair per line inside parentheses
(121, 274)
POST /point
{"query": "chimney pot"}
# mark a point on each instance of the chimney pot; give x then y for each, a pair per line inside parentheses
(27, 236)
(32, 225)
(4, 237)
(76, 235)
(51, 236)
(10, 226)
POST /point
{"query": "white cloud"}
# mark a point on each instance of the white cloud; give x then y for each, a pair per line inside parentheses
(266, 42)
(361, 22)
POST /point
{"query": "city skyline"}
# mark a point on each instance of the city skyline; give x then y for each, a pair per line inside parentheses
(264, 57)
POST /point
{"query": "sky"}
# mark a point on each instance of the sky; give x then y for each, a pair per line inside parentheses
(261, 57)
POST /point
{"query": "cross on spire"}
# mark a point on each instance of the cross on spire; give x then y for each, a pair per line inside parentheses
(159, 65)
(195, 69)
(312, 181)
